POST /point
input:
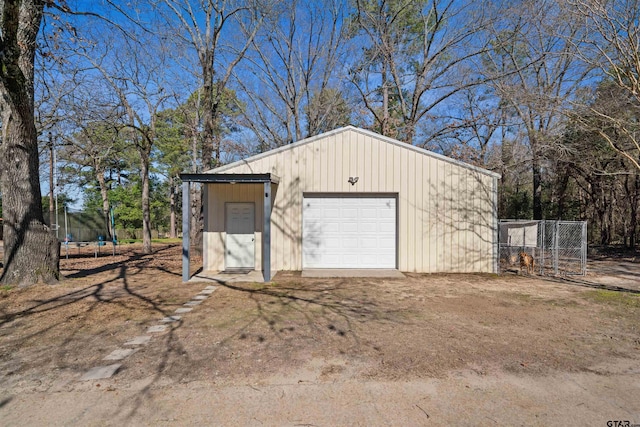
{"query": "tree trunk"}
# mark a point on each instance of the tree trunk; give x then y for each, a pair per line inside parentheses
(52, 214)
(216, 143)
(563, 184)
(208, 104)
(610, 218)
(104, 193)
(634, 214)
(31, 250)
(410, 131)
(384, 126)
(601, 209)
(146, 212)
(172, 207)
(537, 188)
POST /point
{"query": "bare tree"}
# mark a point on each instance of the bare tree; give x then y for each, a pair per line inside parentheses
(31, 251)
(469, 131)
(293, 62)
(218, 33)
(411, 63)
(92, 141)
(137, 81)
(207, 27)
(612, 44)
(536, 73)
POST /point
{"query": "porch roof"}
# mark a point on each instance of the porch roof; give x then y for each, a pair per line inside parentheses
(230, 178)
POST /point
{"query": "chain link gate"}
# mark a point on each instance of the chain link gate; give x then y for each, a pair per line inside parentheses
(558, 247)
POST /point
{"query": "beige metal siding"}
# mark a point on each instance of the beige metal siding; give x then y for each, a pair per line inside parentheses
(214, 235)
(445, 210)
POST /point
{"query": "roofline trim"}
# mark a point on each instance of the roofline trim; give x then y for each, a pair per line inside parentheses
(230, 178)
(359, 130)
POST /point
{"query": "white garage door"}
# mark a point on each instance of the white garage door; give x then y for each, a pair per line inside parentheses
(349, 232)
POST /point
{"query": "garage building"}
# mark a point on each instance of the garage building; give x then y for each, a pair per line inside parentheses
(347, 199)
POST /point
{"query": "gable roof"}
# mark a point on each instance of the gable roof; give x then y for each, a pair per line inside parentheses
(369, 133)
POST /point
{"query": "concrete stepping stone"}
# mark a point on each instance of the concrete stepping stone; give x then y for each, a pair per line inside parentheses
(101, 372)
(156, 328)
(182, 310)
(211, 288)
(200, 297)
(170, 319)
(207, 291)
(120, 353)
(192, 303)
(141, 340)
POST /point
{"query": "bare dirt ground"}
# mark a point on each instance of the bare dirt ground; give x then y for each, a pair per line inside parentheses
(425, 350)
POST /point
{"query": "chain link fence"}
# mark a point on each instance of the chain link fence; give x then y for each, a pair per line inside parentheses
(557, 247)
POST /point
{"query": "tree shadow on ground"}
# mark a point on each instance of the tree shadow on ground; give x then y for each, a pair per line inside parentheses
(130, 266)
(576, 281)
(137, 259)
(319, 309)
(61, 320)
(322, 307)
(69, 331)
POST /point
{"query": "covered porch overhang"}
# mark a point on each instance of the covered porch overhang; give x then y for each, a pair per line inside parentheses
(266, 179)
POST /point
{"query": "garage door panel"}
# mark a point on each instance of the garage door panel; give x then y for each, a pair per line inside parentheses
(387, 243)
(389, 212)
(330, 227)
(349, 244)
(386, 228)
(348, 213)
(348, 226)
(331, 214)
(368, 243)
(314, 213)
(367, 227)
(366, 213)
(332, 244)
(349, 232)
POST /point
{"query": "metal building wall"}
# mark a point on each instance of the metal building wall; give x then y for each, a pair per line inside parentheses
(446, 209)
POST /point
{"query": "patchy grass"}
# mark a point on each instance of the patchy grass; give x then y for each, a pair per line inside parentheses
(519, 296)
(164, 241)
(613, 297)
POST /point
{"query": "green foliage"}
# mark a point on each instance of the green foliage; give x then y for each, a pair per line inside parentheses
(517, 204)
(99, 147)
(174, 132)
(64, 200)
(178, 127)
(126, 201)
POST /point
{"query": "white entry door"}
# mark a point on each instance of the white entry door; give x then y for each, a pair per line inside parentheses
(240, 240)
(349, 232)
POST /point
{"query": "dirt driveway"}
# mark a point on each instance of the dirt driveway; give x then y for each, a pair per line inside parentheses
(425, 350)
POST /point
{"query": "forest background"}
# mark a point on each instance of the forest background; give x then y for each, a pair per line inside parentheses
(128, 95)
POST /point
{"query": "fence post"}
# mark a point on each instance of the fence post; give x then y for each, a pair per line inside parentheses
(584, 248)
(543, 235)
(565, 233)
(556, 226)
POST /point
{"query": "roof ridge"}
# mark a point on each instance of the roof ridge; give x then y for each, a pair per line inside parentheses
(367, 132)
